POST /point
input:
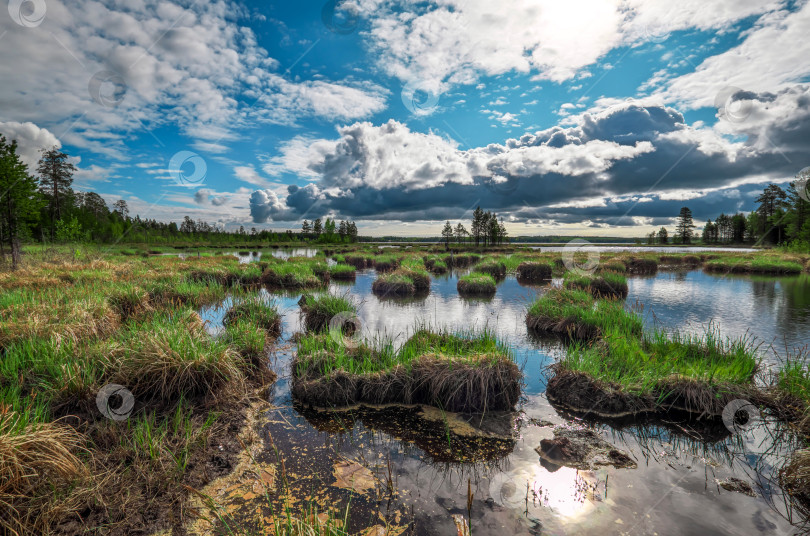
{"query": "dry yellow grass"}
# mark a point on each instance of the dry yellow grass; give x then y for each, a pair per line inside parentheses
(37, 464)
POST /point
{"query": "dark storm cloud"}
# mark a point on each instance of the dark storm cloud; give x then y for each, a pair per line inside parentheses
(389, 172)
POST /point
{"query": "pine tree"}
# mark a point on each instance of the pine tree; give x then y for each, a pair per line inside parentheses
(477, 225)
(317, 227)
(122, 209)
(461, 232)
(305, 228)
(19, 200)
(663, 236)
(685, 226)
(771, 203)
(798, 218)
(447, 233)
(55, 180)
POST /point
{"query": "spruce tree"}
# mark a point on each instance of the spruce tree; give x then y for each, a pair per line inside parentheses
(19, 200)
(55, 180)
(685, 226)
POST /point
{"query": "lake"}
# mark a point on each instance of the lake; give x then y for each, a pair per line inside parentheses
(427, 459)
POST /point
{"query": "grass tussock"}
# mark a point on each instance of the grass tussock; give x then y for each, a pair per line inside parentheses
(41, 476)
(476, 284)
(754, 264)
(171, 356)
(534, 272)
(493, 267)
(607, 285)
(386, 263)
(458, 372)
(291, 275)
(436, 264)
(255, 311)
(319, 310)
(402, 282)
(641, 266)
(343, 272)
(621, 375)
(574, 314)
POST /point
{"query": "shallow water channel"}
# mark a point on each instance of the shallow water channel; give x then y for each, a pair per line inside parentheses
(412, 468)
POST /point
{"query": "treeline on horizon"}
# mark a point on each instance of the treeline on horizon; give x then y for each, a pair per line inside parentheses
(45, 208)
(781, 218)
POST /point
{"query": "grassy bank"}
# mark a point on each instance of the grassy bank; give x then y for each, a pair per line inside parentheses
(73, 330)
(455, 371)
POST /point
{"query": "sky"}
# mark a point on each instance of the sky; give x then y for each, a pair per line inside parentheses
(582, 117)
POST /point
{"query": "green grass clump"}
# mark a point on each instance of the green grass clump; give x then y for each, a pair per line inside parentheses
(613, 266)
(386, 262)
(291, 275)
(319, 309)
(178, 291)
(60, 370)
(248, 339)
(435, 264)
(495, 268)
(533, 272)
(360, 261)
(575, 314)
(401, 282)
(754, 265)
(608, 285)
(476, 284)
(171, 355)
(623, 376)
(791, 391)
(576, 281)
(343, 271)
(469, 371)
(477, 347)
(642, 365)
(256, 311)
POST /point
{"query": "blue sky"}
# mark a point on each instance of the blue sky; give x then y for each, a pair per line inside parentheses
(583, 117)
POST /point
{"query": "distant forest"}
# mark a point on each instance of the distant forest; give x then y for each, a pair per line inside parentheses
(43, 207)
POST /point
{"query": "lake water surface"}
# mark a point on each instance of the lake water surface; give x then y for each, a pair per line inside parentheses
(432, 459)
